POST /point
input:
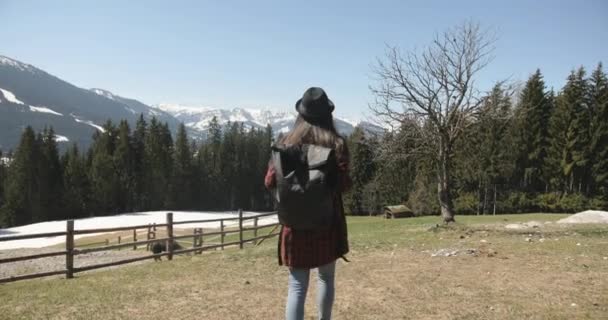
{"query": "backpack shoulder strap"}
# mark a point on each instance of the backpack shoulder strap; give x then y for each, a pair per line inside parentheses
(276, 161)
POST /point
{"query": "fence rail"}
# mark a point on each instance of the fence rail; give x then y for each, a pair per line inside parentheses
(198, 245)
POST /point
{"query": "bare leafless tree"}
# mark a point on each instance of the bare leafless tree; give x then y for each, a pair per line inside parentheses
(434, 91)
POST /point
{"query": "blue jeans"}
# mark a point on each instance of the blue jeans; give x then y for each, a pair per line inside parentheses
(298, 286)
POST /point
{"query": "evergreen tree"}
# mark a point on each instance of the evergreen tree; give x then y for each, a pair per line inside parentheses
(50, 181)
(103, 176)
(228, 166)
(492, 146)
(76, 192)
(531, 133)
(138, 194)
(569, 131)
(124, 162)
(182, 186)
(3, 169)
(21, 184)
(210, 150)
(598, 147)
(157, 163)
(362, 170)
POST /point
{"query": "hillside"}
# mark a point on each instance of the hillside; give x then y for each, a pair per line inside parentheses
(30, 96)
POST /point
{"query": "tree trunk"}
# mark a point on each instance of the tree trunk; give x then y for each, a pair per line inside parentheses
(485, 199)
(494, 209)
(479, 203)
(444, 185)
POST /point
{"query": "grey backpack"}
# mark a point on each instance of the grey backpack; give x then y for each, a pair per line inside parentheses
(306, 177)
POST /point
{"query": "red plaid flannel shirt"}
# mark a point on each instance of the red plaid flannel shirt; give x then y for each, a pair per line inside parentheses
(311, 249)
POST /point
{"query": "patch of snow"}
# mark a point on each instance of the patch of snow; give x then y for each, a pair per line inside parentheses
(98, 127)
(123, 220)
(16, 64)
(45, 110)
(104, 93)
(60, 138)
(284, 130)
(10, 96)
(589, 216)
(353, 123)
(131, 110)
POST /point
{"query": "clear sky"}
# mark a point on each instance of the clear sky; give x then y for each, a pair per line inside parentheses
(266, 53)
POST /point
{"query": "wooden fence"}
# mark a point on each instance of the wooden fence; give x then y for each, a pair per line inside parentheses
(198, 244)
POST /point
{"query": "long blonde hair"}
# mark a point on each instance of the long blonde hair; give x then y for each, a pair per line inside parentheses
(319, 132)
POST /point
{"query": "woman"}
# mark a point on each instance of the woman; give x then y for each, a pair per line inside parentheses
(303, 250)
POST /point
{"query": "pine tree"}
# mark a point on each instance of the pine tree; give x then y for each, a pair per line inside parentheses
(3, 169)
(76, 185)
(50, 181)
(21, 183)
(182, 187)
(569, 131)
(138, 194)
(362, 170)
(491, 145)
(124, 162)
(531, 133)
(157, 163)
(228, 166)
(103, 176)
(598, 147)
(210, 152)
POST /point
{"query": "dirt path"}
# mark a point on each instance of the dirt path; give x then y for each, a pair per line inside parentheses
(58, 262)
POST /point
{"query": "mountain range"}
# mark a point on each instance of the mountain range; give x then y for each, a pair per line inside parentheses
(30, 96)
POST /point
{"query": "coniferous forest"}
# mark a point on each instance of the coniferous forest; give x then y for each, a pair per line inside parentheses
(527, 150)
(130, 170)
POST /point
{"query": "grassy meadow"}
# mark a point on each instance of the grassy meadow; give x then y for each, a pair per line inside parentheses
(399, 269)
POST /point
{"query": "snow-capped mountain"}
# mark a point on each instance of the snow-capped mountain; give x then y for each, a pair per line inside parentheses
(31, 97)
(198, 118)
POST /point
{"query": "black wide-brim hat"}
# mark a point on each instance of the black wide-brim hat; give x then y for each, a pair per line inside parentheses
(314, 104)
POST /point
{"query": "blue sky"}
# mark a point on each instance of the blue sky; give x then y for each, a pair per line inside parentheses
(266, 53)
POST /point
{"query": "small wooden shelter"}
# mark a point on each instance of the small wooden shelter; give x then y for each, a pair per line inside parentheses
(399, 211)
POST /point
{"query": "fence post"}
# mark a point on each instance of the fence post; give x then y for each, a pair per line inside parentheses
(222, 233)
(69, 248)
(119, 242)
(170, 235)
(255, 229)
(201, 240)
(240, 229)
(134, 239)
(197, 239)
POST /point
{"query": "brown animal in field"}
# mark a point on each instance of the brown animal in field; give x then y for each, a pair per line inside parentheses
(161, 246)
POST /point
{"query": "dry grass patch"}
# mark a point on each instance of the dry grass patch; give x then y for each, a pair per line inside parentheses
(392, 276)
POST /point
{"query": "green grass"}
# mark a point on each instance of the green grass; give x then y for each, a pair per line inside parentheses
(392, 276)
